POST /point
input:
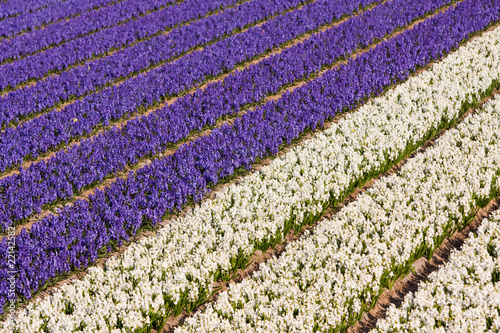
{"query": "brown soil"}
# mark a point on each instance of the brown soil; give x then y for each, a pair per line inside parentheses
(423, 267)
(402, 286)
(259, 257)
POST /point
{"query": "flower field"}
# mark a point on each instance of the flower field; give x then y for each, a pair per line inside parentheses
(254, 165)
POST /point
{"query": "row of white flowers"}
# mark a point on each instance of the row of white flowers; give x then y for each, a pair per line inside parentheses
(174, 270)
(462, 296)
(325, 281)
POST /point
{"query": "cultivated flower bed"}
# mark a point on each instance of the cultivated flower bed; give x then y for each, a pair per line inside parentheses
(38, 186)
(79, 233)
(149, 89)
(212, 241)
(324, 282)
(462, 296)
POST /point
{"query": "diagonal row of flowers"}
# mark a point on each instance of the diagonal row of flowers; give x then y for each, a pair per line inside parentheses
(325, 281)
(88, 22)
(53, 12)
(46, 183)
(94, 75)
(81, 50)
(462, 296)
(14, 8)
(212, 241)
(76, 236)
(149, 89)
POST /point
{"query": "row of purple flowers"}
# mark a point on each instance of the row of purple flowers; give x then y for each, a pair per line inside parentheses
(37, 40)
(12, 7)
(53, 12)
(75, 52)
(95, 74)
(146, 90)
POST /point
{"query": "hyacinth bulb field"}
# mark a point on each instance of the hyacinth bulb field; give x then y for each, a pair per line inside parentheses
(249, 166)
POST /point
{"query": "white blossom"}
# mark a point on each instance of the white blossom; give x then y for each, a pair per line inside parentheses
(462, 296)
